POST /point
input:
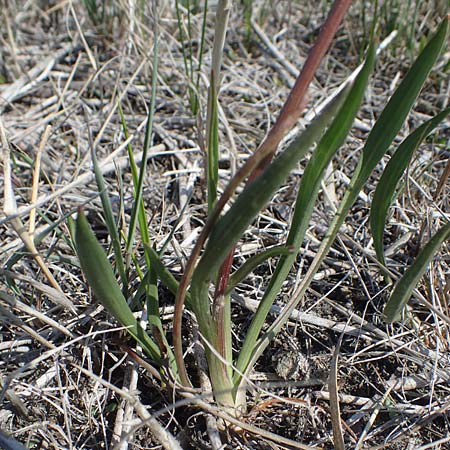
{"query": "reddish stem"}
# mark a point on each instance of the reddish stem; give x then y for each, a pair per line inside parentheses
(291, 110)
(255, 164)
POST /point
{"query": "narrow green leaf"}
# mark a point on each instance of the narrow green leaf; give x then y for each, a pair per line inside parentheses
(395, 113)
(109, 218)
(187, 56)
(167, 279)
(213, 146)
(405, 286)
(200, 56)
(154, 318)
(252, 263)
(306, 199)
(379, 140)
(229, 228)
(135, 214)
(38, 238)
(384, 192)
(142, 216)
(100, 276)
(149, 281)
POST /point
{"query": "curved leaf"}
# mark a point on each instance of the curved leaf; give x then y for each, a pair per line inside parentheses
(100, 276)
(378, 142)
(306, 199)
(404, 288)
(253, 262)
(384, 192)
(230, 227)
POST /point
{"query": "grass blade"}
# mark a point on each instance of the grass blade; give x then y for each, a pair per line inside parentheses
(212, 165)
(200, 56)
(109, 217)
(226, 233)
(38, 238)
(405, 286)
(167, 279)
(142, 217)
(385, 190)
(149, 281)
(212, 118)
(101, 279)
(379, 140)
(306, 198)
(252, 263)
(148, 132)
(396, 111)
(255, 196)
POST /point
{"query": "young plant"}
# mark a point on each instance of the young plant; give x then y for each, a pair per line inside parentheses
(265, 174)
(224, 233)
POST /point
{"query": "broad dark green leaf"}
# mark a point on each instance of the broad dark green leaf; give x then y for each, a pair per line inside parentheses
(100, 276)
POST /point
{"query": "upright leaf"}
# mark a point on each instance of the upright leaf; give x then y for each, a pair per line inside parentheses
(384, 192)
(137, 208)
(100, 276)
(306, 199)
(379, 140)
(230, 227)
(109, 218)
(212, 162)
(405, 286)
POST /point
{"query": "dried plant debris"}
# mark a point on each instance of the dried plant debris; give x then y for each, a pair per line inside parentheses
(68, 376)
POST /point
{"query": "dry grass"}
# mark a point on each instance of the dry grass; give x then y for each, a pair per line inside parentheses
(67, 383)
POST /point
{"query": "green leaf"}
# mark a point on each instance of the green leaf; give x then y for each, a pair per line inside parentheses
(109, 218)
(252, 263)
(100, 276)
(230, 227)
(384, 192)
(405, 286)
(142, 217)
(169, 281)
(212, 171)
(306, 199)
(395, 113)
(136, 214)
(38, 238)
(379, 140)
(149, 281)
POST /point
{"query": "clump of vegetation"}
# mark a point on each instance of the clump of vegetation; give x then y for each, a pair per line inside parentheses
(131, 280)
